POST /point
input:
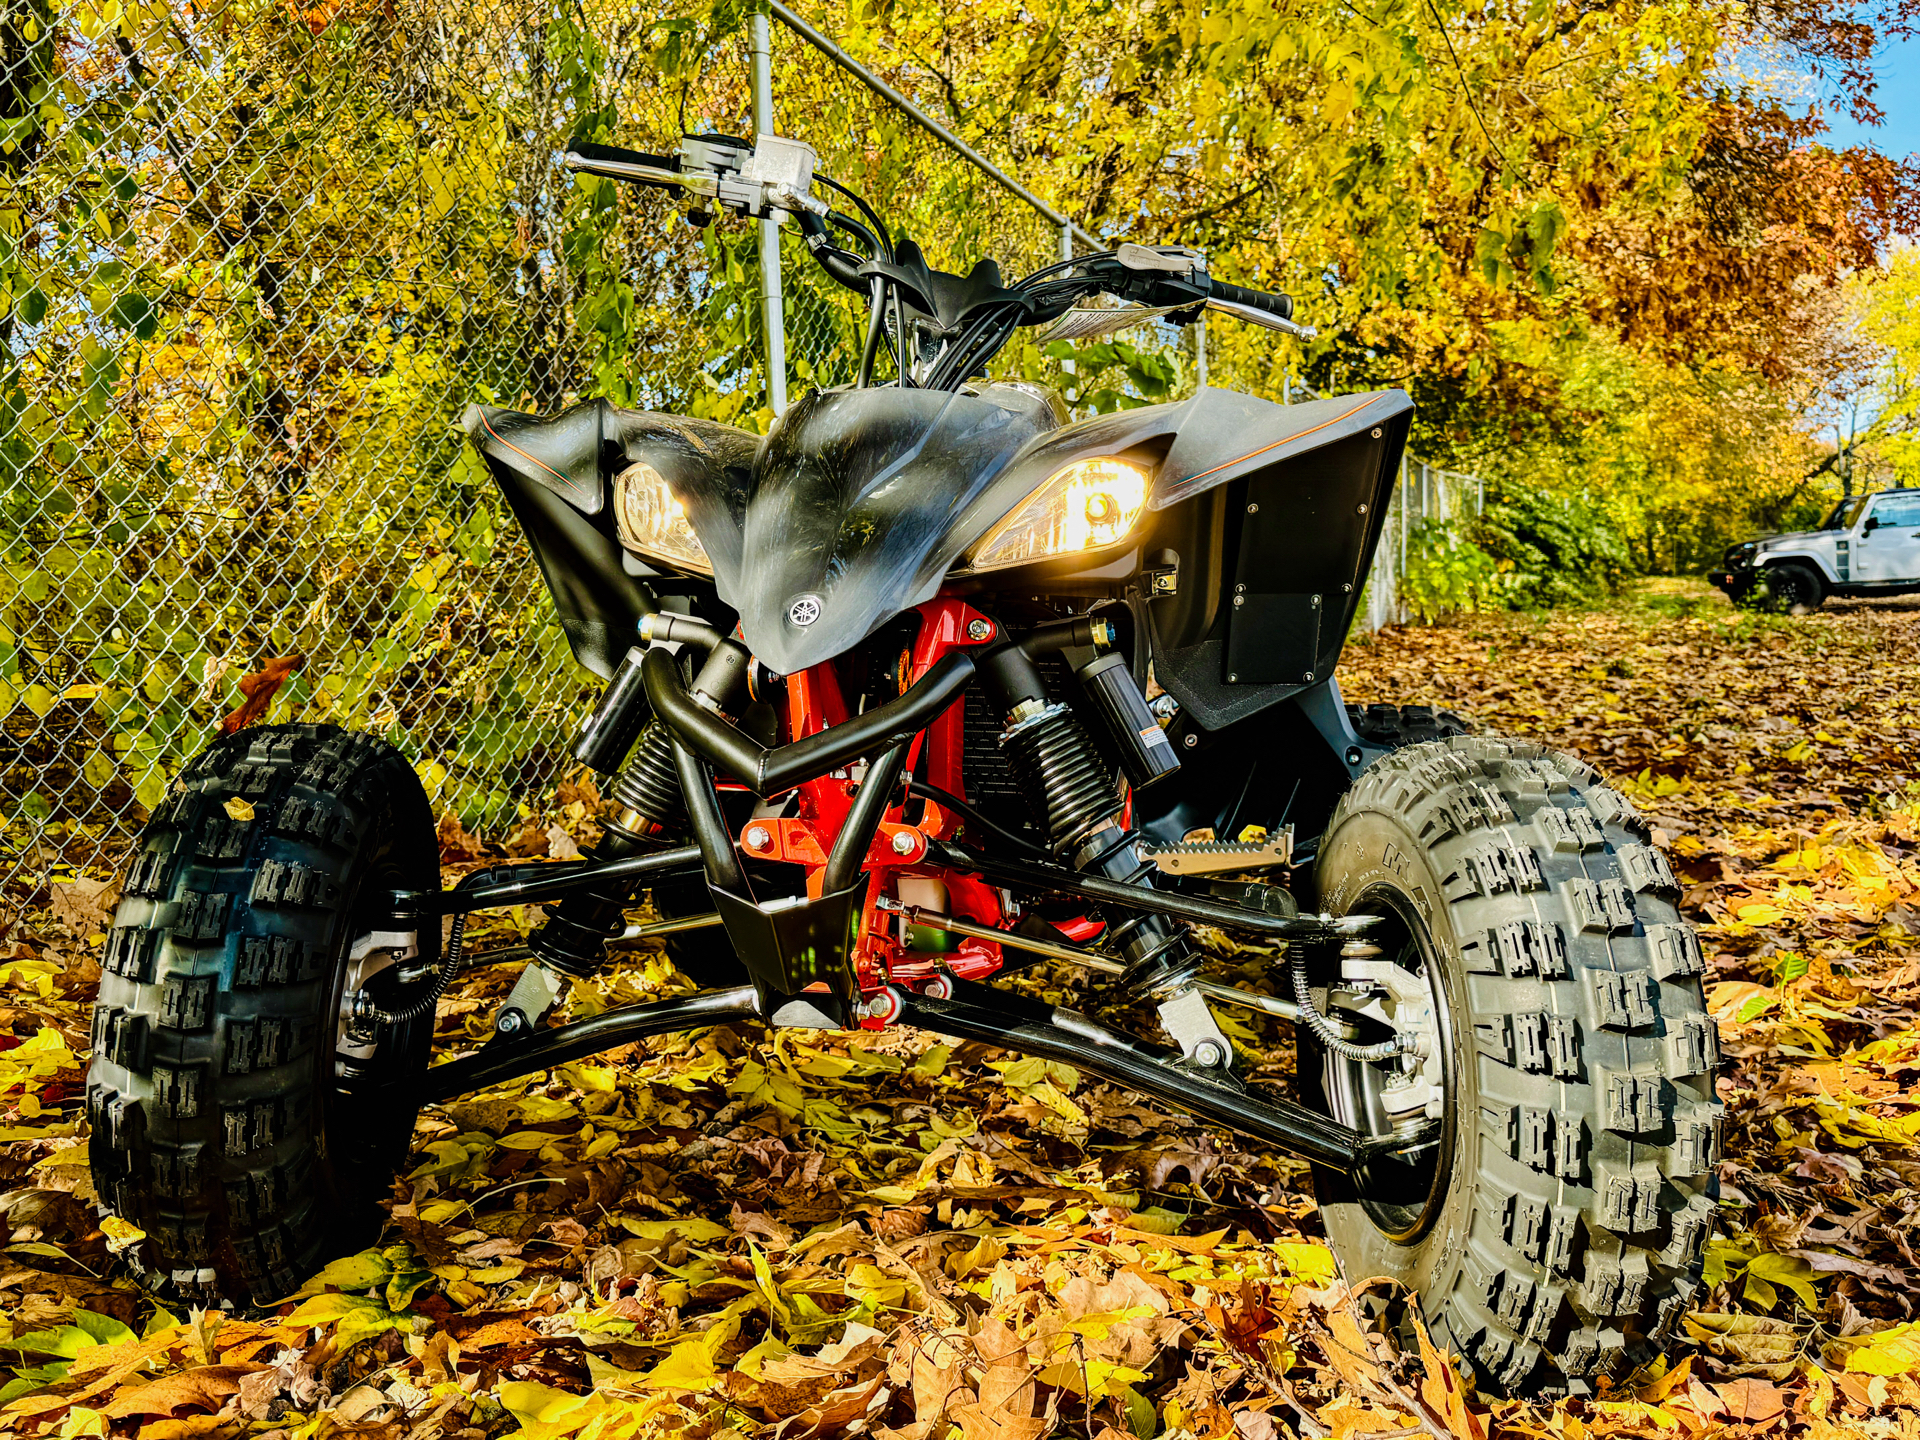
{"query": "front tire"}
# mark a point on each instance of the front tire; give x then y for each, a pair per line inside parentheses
(224, 1123)
(1794, 588)
(1556, 1234)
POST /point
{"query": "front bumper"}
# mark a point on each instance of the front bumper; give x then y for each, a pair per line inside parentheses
(1733, 583)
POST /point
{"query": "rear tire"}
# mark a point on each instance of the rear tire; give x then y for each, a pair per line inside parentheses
(1560, 1238)
(1394, 726)
(223, 1123)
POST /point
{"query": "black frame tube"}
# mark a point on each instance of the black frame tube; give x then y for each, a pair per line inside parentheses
(975, 1012)
(562, 882)
(503, 1061)
(1031, 876)
(767, 772)
(1014, 1022)
(863, 819)
(712, 839)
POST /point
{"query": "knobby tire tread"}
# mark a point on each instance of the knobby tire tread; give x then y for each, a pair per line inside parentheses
(1595, 1054)
(212, 1034)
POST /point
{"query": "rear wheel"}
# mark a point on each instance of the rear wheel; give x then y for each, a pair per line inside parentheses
(1404, 725)
(1555, 1234)
(227, 1121)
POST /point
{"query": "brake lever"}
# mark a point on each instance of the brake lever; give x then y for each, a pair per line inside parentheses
(1261, 317)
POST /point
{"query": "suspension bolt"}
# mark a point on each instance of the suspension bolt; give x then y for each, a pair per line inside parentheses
(884, 1006)
(903, 843)
(979, 629)
(1208, 1053)
(759, 838)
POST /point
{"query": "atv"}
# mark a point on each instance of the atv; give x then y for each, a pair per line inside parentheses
(927, 684)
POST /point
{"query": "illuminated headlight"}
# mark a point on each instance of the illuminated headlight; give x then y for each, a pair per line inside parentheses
(653, 523)
(1088, 506)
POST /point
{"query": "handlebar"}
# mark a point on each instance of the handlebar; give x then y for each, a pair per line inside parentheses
(1281, 307)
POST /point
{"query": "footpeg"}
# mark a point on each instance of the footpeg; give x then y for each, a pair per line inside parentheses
(1211, 858)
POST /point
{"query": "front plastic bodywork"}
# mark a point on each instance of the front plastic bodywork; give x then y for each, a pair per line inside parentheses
(856, 506)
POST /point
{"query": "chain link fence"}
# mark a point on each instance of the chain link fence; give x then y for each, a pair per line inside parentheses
(258, 260)
(1425, 498)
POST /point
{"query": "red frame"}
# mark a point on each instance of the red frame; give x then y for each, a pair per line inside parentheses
(814, 703)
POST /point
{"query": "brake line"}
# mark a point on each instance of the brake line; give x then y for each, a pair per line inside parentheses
(1323, 1028)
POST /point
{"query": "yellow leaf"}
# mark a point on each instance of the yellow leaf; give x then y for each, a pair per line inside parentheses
(1895, 1352)
(688, 1367)
(691, 1227)
(529, 1140)
(239, 809)
(533, 1403)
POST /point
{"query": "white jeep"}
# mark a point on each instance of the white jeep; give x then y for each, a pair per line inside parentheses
(1870, 545)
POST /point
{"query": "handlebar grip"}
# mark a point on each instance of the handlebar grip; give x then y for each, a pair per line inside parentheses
(1277, 305)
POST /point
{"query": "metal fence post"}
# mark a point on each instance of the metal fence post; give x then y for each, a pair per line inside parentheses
(772, 311)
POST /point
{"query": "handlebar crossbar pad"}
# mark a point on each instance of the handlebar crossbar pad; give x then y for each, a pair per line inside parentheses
(1273, 303)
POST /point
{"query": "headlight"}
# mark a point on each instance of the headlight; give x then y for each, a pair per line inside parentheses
(653, 523)
(1089, 505)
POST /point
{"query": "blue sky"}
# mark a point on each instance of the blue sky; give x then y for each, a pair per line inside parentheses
(1898, 68)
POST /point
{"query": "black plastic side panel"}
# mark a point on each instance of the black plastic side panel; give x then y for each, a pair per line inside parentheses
(554, 472)
(599, 604)
(1300, 528)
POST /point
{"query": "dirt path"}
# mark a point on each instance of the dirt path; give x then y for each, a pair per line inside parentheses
(825, 1236)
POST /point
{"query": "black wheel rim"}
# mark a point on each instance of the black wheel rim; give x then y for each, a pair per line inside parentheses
(1403, 1198)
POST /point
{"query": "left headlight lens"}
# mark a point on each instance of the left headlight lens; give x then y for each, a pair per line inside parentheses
(1090, 505)
(652, 522)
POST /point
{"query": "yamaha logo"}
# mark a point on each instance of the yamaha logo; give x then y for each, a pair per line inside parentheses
(804, 611)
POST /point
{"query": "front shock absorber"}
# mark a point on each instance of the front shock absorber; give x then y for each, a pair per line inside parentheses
(573, 937)
(1076, 790)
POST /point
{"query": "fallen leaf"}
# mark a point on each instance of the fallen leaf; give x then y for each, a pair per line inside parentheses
(259, 689)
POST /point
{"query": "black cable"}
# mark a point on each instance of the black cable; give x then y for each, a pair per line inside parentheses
(857, 230)
(365, 1010)
(953, 802)
(876, 323)
(880, 227)
(1323, 1028)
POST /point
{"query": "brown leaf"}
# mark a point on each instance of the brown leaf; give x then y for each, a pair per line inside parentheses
(204, 1386)
(529, 841)
(1749, 1402)
(259, 689)
(455, 844)
(1443, 1390)
(84, 905)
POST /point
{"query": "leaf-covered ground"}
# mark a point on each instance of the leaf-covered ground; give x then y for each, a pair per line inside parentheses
(823, 1235)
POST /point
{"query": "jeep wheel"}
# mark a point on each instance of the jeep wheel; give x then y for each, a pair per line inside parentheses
(1555, 1233)
(227, 1122)
(1794, 588)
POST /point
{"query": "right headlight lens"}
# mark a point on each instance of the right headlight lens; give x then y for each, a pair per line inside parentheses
(652, 522)
(1090, 505)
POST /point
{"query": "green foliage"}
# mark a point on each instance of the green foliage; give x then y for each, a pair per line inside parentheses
(1446, 571)
(1548, 548)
